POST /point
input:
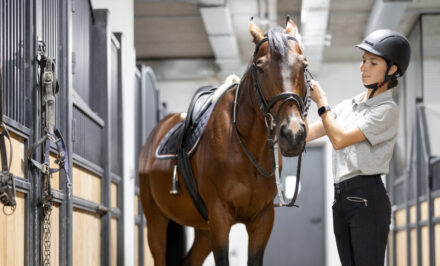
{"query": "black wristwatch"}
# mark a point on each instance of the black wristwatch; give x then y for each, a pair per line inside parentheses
(323, 109)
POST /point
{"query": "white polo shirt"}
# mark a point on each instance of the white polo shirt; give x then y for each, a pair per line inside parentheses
(378, 119)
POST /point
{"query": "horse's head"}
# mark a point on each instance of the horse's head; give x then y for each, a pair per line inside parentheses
(278, 73)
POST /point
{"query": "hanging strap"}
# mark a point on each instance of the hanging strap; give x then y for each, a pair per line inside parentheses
(49, 88)
(7, 181)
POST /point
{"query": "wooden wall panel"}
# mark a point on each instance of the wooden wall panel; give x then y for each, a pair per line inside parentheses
(400, 217)
(425, 245)
(86, 232)
(54, 235)
(86, 184)
(401, 248)
(114, 241)
(424, 211)
(412, 214)
(136, 205)
(413, 236)
(12, 234)
(390, 248)
(18, 154)
(437, 244)
(148, 258)
(437, 207)
(136, 245)
(114, 195)
(55, 182)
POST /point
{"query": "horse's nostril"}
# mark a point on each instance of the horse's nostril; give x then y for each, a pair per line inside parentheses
(285, 132)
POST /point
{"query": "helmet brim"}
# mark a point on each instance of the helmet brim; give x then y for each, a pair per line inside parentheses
(370, 49)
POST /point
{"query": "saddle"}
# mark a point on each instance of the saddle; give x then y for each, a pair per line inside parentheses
(187, 134)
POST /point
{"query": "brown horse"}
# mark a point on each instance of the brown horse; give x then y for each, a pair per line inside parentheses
(230, 185)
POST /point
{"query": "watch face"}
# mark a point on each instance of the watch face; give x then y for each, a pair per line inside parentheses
(323, 109)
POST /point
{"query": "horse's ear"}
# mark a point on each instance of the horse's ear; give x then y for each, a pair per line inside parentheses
(291, 28)
(256, 32)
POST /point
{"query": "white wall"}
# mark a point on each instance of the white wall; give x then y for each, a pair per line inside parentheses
(122, 20)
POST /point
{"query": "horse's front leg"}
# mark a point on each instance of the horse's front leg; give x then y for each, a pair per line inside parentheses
(259, 229)
(220, 222)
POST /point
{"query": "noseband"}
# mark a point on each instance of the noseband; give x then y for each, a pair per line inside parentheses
(271, 121)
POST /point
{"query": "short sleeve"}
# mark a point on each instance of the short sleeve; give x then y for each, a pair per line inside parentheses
(337, 110)
(380, 123)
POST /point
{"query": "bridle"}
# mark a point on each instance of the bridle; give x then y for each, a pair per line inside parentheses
(266, 106)
(271, 122)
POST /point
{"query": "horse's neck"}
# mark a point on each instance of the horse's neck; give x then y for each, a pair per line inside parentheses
(250, 120)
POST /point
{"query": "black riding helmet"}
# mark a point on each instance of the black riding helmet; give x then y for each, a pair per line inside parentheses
(391, 46)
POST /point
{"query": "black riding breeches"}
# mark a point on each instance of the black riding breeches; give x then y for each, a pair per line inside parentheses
(361, 220)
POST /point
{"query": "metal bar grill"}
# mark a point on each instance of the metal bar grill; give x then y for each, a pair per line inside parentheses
(50, 26)
(12, 28)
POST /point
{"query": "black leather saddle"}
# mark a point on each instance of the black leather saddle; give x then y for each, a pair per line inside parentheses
(187, 134)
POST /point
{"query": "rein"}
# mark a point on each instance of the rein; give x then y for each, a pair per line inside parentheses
(271, 121)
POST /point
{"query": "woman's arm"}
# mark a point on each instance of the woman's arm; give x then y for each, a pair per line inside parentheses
(339, 137)
(316, 130)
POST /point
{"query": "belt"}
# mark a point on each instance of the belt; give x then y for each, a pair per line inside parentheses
(357, 181)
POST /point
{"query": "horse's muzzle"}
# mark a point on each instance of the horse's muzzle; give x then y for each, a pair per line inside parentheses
(292, 137)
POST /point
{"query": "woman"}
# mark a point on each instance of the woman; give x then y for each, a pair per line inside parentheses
(363, 132)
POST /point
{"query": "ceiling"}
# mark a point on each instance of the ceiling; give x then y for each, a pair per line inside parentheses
(188, 29)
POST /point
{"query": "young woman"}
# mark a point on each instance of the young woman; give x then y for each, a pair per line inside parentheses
(363, 132)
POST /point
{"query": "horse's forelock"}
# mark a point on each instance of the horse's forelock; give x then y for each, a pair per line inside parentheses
(278, 42)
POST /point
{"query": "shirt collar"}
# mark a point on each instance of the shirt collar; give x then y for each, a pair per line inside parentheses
(376, 100)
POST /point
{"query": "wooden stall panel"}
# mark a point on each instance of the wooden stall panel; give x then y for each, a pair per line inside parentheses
(86, 231)
(136, 205)
(55, 182)
(86, 184)
(400, 217)
(425, 245)
(412, 214)
(390, 248)
(54, 235)
(114, 241)
(148, 258)
(136, 245)
(401, 248)
(114, 195)
(413, 239)
(437, 244)
(12, 234)
(18, 154)
(424, 211)
(437, 207)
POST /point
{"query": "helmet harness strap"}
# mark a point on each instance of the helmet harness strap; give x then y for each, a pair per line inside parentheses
(380, 84)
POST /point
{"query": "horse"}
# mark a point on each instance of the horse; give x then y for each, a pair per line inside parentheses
(235, 188)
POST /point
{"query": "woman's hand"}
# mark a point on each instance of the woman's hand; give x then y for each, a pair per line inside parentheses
(317, 94)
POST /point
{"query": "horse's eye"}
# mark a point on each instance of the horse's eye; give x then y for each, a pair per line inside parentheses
(260, 70)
